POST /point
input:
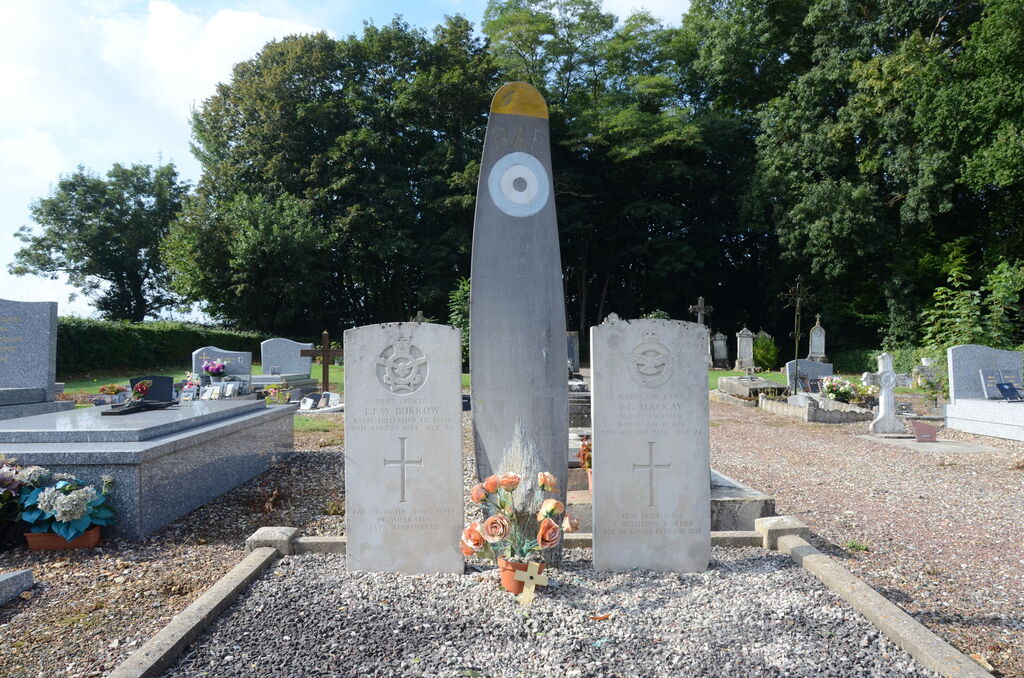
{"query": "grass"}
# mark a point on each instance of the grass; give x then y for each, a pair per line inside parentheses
(855, 545)
(715, 375)
(305, 424)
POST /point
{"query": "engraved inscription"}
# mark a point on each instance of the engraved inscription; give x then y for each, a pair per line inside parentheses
(402, 367)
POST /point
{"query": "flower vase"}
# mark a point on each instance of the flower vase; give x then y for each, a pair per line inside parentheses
(216, 379)
(508, 575)
(49, 541)
(590, 480)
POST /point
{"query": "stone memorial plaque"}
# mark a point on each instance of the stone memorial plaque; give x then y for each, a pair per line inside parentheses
(965, 360)
(403, 448)
(281, 356)
(652, 500)
(720, 350)
(517, 310)
(28, 345)
(744, 349)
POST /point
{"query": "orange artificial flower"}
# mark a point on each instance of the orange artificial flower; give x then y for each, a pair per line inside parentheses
(478, 494)
(548, 534)
(496, 528)
(570, 523)
(472, 540)
(491, 484)
(509, 481)
(547, 482)
(550, 507)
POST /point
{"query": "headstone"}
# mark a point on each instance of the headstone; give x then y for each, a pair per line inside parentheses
(284, 355)
(403, 448)
(652, 481)
(761, 334)
(924, 433)
(161, 389)
(518, 351)
(886, 421)
(808, 369)
(572, 340)
(744, 349)
(720, 350)
(816, 352)
(869, 379)
(965, 360)
(28, 359)
(238, 364)
(990, 380)
(702, 311)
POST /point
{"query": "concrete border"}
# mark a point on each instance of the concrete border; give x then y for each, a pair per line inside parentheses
(931, 651)
(163, 649)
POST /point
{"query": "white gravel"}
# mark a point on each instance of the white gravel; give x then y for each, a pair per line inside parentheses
(753, 613)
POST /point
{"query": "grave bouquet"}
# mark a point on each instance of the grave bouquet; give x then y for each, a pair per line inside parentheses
(839, 389)
(140, 389)
(214, 368)
(67, 507)
(586, 453)
(112, 389)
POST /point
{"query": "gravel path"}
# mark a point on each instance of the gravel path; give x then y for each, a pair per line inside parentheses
(944, 532)
(752, 613)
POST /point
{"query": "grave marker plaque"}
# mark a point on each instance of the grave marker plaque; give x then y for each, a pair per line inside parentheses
(403, 448)
(651, 446)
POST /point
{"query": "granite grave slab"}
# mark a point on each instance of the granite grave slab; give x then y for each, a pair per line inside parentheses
(28, 359)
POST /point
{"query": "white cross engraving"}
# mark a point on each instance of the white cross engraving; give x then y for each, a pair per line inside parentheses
(401, 464)
(650, 467)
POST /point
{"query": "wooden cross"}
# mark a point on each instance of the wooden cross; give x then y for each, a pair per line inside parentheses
(531, 579)
(325, 353)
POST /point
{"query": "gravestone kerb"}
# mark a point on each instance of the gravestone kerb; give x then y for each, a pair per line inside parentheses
(403, 435)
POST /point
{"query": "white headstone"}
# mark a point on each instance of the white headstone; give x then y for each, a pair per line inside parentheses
(720, 348)
(817, 342)
(403, 448)
(652, 482)
(886, 421)
(744, 349)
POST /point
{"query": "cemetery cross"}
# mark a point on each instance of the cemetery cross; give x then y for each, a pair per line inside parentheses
(325, 353)
(796, 296)
(531, 578)
(701, 310)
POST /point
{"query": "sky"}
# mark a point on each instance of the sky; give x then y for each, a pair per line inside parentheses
(95, 82)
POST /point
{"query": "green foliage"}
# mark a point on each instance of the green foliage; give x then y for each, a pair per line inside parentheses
(458, 314)
(766, 353)
(657, 314)
(104, 234)
(88, 345)
(858, 361)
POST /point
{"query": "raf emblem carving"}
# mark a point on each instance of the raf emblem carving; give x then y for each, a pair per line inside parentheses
(650, 364)
(402, 367)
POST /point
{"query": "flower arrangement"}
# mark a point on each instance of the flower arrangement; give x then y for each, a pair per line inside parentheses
(192, 380)
(68, 507)
(140, 389)
(839, 389)
(586, 453)
(507, 533)
(112, 389)
(214, 368)
(12, 478)
(275, 395)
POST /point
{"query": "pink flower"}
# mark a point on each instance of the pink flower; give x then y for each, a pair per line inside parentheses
(550, 508)
(509, 481)
(547, 482)
(548, 534)
(472, 540)
(569, 523)
(496, 528)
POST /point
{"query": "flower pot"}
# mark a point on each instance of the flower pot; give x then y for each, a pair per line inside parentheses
(215, 379)
(508, 575)
(48, 541)
(590, 480)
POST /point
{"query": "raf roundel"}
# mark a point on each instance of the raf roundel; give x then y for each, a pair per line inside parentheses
(518, 184)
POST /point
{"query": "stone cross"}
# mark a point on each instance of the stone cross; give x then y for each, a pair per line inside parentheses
(325, 353)
(650, 467)
(402, 463)
(701, 310)
(886, 421)
(531, 578)
(796, 296)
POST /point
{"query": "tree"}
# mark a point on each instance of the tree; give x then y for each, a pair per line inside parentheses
(104, 234)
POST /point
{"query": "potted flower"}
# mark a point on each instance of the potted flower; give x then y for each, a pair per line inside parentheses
(838, 389)
(275, 394)
(510, 537)
(12, 478)
(111, 393)
(214, 369)
(65, 515)
(586, 457)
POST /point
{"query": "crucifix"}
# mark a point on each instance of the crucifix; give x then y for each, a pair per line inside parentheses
(796, 296)
(701, 310)
(531, 578)
(650, 467)
(325, 353)
(402, 464)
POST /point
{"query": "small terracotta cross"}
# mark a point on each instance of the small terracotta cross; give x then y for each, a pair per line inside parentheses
(531, 579)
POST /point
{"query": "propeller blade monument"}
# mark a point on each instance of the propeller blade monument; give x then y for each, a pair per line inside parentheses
(518, 349)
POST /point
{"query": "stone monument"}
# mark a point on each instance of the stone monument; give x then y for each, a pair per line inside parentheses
(284, 364)
(572, 341)
(652, 501)
(237, 364)
(518, 351)
(720, 350)
(28, 359)
(403, 448)
(816, 352)
(744, 349)
(886, 421)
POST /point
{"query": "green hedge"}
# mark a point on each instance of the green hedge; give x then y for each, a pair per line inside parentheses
(857, 361)
(86, 345)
